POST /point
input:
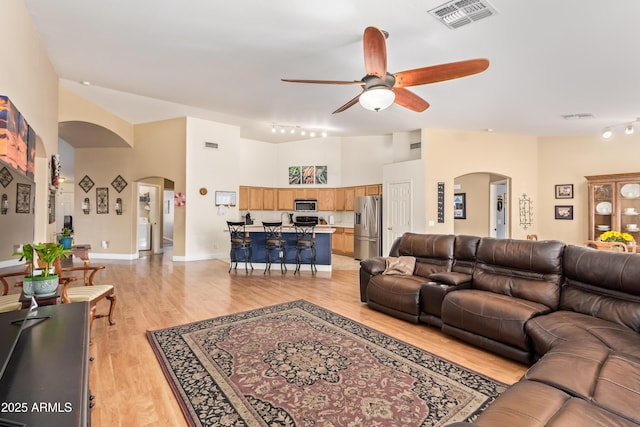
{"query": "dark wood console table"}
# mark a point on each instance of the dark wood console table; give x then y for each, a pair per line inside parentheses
(46, 382)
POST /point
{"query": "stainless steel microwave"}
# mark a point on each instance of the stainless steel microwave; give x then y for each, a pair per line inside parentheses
(305, 205)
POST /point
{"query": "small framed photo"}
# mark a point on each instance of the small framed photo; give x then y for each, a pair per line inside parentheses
(564, 191)
(460, 206)
(564, 212)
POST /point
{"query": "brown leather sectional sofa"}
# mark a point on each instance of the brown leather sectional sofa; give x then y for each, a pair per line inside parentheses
(571, 312)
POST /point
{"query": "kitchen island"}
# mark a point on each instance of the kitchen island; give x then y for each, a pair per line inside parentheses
(323, 248)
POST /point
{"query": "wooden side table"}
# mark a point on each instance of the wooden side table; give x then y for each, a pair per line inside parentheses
(48, 300)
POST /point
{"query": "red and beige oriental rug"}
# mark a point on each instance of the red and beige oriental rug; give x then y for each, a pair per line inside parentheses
(297, 364)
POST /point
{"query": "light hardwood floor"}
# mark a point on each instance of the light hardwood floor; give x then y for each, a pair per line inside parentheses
(154, 293)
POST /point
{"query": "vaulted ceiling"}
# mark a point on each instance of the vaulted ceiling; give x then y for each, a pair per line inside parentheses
(154, 59)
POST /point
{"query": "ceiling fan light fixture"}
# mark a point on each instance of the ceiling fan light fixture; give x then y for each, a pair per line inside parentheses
(377, 98)
(607, 133)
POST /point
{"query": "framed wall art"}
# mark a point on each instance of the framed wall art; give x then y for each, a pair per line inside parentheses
(102, 200)
(564, 191)
(23, 198)
(460, 206)
(564, 212)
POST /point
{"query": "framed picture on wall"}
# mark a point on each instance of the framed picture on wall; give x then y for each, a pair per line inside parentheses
(564, 191)
(564, 212)
(460, 206)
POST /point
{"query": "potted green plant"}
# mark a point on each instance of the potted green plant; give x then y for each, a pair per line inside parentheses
(65, 237)
(42, 281)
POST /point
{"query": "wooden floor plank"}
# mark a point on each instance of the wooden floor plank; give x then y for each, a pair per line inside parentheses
(155, 292)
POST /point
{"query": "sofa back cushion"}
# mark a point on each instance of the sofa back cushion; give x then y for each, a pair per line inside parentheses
(433, 252)
(464, 254)
(527, 269)
(602, 284)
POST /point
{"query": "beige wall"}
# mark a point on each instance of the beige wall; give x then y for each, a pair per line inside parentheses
(29, 80)
(72, 107)
(567, 160)
(450, 153)
(159, 152)
(476, 189)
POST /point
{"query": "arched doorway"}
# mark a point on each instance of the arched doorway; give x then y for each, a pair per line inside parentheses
(154, 215)
(487, 204)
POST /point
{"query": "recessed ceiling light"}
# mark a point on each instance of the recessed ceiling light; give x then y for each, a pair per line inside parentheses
(85, 83)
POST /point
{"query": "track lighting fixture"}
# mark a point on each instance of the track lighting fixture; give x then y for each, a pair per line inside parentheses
(629, 129)
(293, 130)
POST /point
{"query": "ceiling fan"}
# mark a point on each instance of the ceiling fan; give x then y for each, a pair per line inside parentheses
(380, 88)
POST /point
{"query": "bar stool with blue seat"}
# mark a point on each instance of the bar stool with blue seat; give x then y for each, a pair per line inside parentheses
(305, 242)
(274, 243)
(241, 249)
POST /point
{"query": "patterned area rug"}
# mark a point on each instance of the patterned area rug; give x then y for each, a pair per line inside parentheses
(297, 364)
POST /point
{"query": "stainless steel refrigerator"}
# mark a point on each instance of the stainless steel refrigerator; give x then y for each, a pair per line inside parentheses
(367, 227)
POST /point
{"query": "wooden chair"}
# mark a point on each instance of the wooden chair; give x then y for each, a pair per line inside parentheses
(10, 302)
(532, 237)
(89, 291)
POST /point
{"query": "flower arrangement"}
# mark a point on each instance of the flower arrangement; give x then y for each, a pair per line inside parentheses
(616, 236)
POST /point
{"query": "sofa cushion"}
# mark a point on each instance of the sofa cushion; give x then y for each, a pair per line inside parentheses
(433, 252)
(602, 284)
(402, 265)
(495, 316)
(560, 326)
(400, 293)
(526, 269)
(530, 403)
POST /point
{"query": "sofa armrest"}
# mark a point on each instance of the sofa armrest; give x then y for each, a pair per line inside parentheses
(451, 278)
(369, 268)
(374, 266)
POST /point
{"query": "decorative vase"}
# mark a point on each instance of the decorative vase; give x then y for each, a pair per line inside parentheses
(40, 286)
(66, 242)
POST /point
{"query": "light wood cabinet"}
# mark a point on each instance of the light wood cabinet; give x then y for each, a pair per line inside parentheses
(373, 190)
(326, 199)
(243, 198)
(339, 199)
(360, 190)
(255, 198)
(342, 241)
(269, 199)
(285, 199)
(349, 195)
(614, 204)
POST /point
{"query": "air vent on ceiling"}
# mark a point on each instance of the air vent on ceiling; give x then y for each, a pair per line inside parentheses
(211, 144)
(457, 13)
(578, 116)
(415, 145)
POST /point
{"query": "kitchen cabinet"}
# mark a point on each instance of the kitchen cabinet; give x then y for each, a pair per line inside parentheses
(269, 199)
(339, 203)
(360, 190)
(342, 241)
(243, 198)
(614, 204)
(326, 199)
(255, 198)
(349, 195)
(285, 199)
(373, 190)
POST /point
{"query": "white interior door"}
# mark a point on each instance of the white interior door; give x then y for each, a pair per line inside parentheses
(397, 198)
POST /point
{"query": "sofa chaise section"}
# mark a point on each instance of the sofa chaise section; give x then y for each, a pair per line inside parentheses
(513, 281)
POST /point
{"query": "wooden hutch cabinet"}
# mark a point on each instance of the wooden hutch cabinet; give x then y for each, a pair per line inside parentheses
(614, 204)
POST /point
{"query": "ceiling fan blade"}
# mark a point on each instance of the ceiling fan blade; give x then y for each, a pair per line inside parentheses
(326, 82)
(439, 73)
(408, 99)
(349, 104)
(375, 52)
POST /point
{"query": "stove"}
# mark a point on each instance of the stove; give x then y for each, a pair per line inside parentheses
(304, 218)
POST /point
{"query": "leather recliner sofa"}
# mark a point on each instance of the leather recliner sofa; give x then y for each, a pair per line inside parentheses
(570, 311)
